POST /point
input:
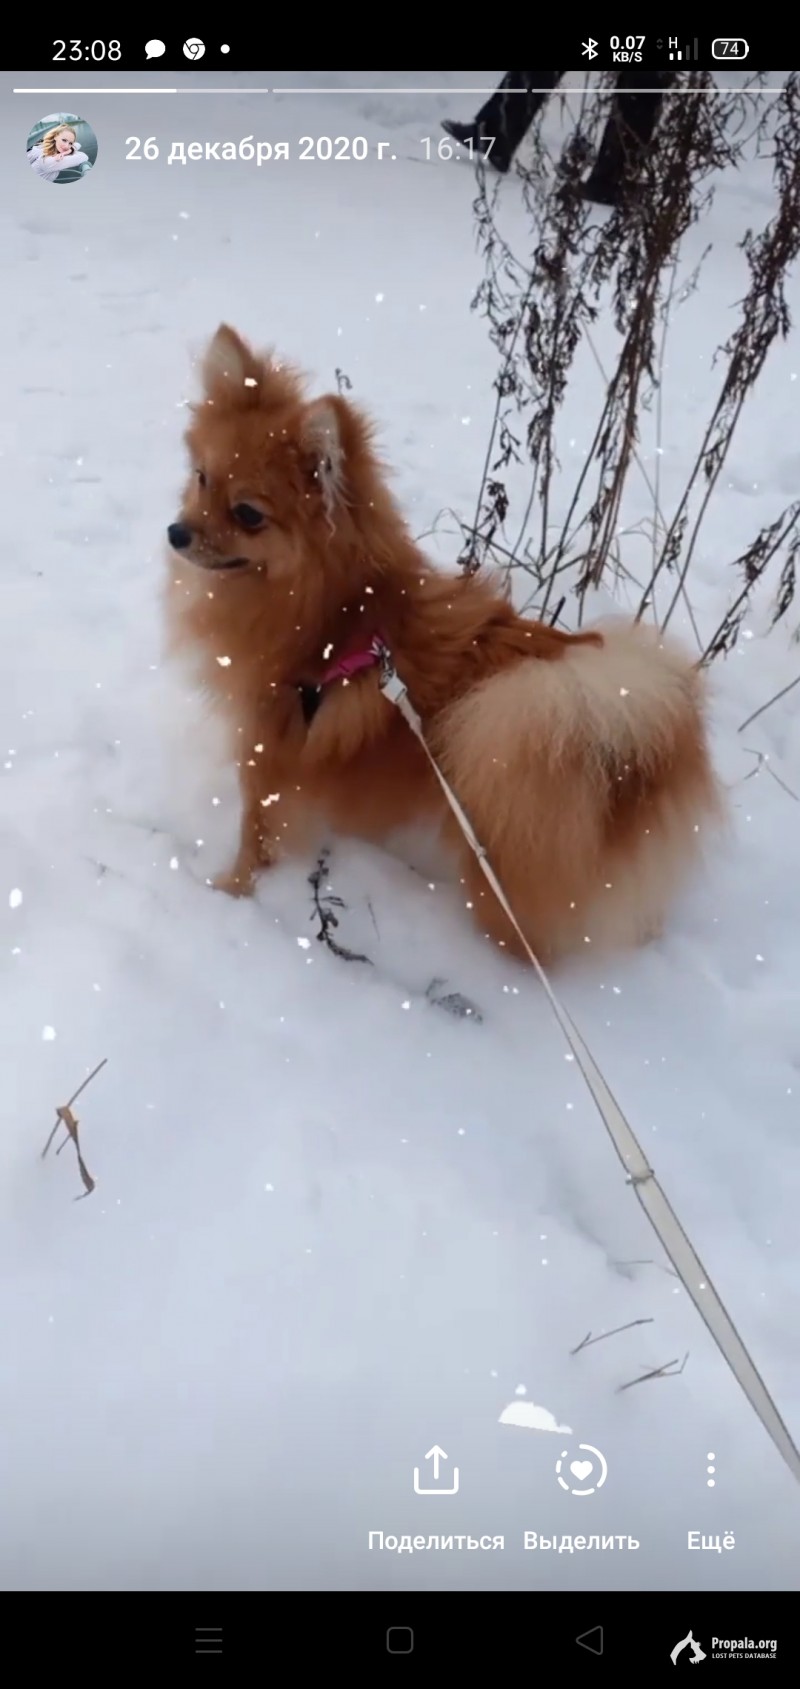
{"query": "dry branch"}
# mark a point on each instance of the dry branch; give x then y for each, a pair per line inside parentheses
(539, 307)
(587, 1341)
(325, 905)
(66, 1118)
(670, 1369)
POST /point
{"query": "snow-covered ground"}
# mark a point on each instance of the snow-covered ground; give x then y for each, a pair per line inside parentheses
(335, 1225)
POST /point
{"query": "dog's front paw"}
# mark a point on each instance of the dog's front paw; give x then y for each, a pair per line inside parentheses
(236, 881)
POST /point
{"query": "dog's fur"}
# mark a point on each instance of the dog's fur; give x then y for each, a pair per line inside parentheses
(581, 760)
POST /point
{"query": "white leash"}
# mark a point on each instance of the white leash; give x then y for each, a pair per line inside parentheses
(640, 1175)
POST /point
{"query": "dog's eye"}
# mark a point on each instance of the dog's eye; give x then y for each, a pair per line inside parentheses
(201, 477)
(248, 516)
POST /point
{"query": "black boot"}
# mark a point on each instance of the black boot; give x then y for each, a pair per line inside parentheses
(506, 117)
(470, 134)
(626, 138)
(601, 190)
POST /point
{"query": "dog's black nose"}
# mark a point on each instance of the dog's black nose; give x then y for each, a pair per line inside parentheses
(179, 536)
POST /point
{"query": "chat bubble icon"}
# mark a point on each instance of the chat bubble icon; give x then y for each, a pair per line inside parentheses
(154, 49)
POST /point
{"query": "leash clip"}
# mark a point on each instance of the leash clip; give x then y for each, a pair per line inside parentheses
(390, 683)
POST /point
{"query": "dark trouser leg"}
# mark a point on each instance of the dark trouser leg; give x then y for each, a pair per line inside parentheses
(629, 130)
(513, 106)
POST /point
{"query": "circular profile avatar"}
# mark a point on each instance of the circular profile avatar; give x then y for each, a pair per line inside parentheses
(62, 148)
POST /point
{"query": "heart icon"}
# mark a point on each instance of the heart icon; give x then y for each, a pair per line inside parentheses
(580, 1469)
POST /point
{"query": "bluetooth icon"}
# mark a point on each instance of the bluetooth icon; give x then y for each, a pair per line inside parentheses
(589, 48)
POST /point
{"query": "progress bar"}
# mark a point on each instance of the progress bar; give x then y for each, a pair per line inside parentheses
(108, 90)
(332, 93)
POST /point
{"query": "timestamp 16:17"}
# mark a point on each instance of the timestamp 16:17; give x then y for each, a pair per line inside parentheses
(433, 149)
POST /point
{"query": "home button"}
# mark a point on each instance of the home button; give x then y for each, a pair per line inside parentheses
(591, 1640)
(400, 1640)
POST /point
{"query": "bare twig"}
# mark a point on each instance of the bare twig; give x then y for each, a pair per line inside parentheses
(557, 612)
(659, 1266)
(588, 1340)
(660, 410)
(764, 318)
(540, 308)
(66, 1118)
(768, 705)
(763, 764)
(325, 905)
(670, 1369)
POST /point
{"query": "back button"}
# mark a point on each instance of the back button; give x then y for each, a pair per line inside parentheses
(591, 1640)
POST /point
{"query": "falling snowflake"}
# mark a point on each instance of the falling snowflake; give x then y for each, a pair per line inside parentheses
(15, 898)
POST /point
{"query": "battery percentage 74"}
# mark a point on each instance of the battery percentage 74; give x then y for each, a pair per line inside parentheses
(729, 47)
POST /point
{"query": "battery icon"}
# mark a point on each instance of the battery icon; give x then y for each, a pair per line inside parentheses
(729, 47)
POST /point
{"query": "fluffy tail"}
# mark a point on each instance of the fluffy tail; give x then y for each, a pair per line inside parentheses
(589, 781)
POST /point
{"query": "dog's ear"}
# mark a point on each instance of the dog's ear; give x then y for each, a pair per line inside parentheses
(230, 368)
(324, 441)
(236, 377)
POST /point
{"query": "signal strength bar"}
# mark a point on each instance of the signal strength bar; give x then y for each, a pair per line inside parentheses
(684, 54)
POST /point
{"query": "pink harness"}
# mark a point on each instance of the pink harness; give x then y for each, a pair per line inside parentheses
(364, 654)
(359, 657)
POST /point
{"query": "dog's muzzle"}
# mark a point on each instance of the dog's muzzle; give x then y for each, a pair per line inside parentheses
(181, 538)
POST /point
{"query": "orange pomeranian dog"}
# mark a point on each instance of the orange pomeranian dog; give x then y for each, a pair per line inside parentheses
(580, 759)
